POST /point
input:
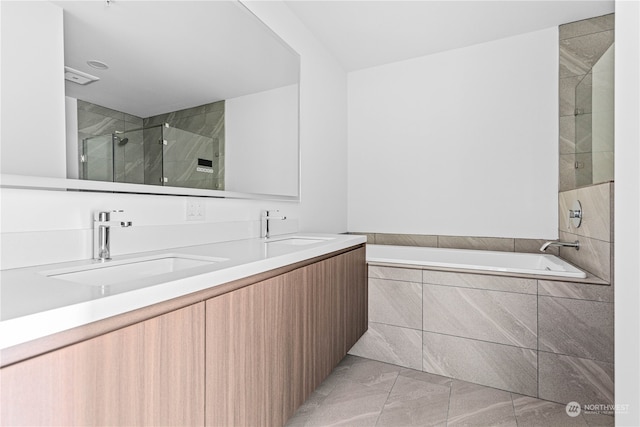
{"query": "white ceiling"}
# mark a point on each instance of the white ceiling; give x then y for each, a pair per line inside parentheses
(169, 55)
(363, 34)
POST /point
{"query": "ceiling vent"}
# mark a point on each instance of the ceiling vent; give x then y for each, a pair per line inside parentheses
(78, 77)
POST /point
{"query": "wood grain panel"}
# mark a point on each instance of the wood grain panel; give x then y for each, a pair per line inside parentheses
(278, 351)
(321, 310)
(338, 266)
(269, 345)
(356, 296)
(235, 366)
(151, 373)
(299, 379)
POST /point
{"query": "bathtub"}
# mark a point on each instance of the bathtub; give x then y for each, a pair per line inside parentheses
(489, 261)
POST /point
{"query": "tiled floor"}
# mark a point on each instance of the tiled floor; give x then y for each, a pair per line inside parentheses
(363, 392)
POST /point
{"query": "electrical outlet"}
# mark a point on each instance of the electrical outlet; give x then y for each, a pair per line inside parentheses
(195, 210)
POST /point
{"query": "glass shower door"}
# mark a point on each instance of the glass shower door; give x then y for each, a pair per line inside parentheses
(128, 155)
(96, 159)
(188, 159)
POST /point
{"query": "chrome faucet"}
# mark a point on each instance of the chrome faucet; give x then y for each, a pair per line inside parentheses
(575, 244)
(101, 233)
(264, 223)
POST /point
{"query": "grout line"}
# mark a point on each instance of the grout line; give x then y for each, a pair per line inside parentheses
(388, 395)
(422, 325)
(484, 341)
(513, 406)
(537, 339)
(481, 289)
(449, 402)
(586, 34)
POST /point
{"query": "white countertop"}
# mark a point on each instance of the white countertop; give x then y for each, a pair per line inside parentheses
(34, 305)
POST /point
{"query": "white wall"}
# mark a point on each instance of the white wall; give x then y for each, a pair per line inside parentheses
(323, 122)
(32, 89)
(627, 211)
(463, 142)
(262, 158)
(52, 226)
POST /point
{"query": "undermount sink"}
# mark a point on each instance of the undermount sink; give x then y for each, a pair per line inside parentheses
(298, 241)
(112, 272)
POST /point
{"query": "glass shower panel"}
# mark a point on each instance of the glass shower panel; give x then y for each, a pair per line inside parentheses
(189, 159)
(153, 147)
(97, 158)
(584, 131)
(128, 154)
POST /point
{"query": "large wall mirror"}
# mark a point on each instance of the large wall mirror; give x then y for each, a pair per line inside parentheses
(195, 95)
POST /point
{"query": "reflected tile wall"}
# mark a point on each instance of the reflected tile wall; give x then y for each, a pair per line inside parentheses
(95, 120)
(205, 125)
(152, 156)
(579, 54)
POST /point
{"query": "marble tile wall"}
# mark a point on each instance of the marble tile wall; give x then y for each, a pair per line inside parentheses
(458, 242)
(391, 344)
(498, 317)
(395, 317)
(480, 281)
(595, 232)
(576, 328)
(395, 303)
(573, 379)
(495, 365)
(540, 338)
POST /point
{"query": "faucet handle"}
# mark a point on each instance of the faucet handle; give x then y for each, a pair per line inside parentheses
(268, 213)
(117, 220)
(104, 218)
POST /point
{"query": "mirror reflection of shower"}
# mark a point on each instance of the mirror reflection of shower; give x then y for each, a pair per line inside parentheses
(153, 155)
(120, 140)
(594, 122)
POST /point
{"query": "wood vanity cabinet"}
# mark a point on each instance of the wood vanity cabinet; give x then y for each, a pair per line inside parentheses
(269, 345)
(250, 356)
(150, 373)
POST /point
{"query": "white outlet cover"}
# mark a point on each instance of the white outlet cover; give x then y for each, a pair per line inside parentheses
(195, 210)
